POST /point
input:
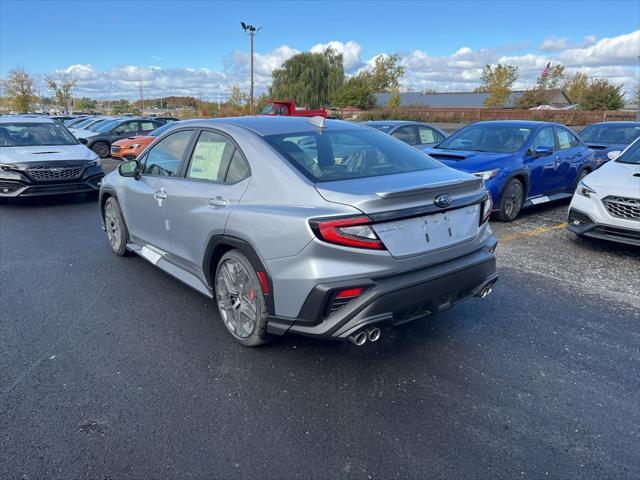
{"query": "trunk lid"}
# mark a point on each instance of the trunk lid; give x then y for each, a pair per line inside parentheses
(407, 217)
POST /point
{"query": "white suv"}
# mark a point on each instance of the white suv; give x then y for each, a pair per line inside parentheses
(607, 202)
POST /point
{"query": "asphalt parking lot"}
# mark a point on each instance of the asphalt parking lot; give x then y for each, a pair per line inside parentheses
(110, 368)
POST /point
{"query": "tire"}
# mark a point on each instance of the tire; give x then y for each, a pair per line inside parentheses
(240, 300)
(511, 201)
(101, 149)
(117, 231)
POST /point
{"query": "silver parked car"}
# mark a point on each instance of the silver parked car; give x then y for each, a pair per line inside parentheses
(312, 226)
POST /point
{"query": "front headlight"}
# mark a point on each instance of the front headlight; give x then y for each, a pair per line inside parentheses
(487, 174)
(94, 163)
(584, 189)
(135, 145)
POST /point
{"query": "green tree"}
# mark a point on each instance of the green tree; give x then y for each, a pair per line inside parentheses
(576, 85)
(552, 77)
(309, 79)
(237, 97)
(387, 73)
(118, 107)
(62, 90)
(601, 94)
(85, 103)
(356, 92)
(394, 100)
(497, 81)
(19, 88)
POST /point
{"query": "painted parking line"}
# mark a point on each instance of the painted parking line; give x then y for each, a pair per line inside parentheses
(532, 233)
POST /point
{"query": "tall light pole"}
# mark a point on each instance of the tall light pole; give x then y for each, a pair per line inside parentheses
(251, 31)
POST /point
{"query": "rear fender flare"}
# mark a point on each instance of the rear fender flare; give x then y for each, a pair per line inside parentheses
(219, 244)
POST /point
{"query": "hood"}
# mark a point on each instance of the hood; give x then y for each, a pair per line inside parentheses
(82, 133)
(601, 149)
(617, 178)
(45, 153)
(143, 139)
(469, 161)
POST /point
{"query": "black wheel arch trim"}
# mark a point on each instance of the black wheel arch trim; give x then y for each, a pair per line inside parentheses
(218, 245)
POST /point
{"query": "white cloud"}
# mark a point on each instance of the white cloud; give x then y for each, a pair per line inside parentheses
(553, 44)
(614, 58)
(351, 52)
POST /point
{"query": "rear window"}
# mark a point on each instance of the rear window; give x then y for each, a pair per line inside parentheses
(622, 134)
(340, 155)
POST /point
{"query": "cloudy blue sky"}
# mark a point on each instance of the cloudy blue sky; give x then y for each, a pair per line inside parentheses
(198, 48)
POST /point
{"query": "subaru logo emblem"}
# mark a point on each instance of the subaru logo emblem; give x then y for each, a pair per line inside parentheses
(443, 201)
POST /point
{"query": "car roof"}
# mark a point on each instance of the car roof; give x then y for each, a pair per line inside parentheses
(25, 119)
(518, 123)
(269, 125)
(617, 123)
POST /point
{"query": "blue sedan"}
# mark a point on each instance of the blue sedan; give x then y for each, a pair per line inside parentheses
(523, 163)
(606, 137)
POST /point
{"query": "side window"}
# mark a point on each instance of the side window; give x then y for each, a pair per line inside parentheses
(429, 135)
(164, 159)
(566, 139)
(147, 126)
(544, 138)
(211, 157)
(406, 134)
(127, 127)
(239, 169)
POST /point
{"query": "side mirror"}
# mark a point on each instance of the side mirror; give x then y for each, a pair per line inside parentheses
(614, 154)
(130, 169)
(543, 152)
(83, 141)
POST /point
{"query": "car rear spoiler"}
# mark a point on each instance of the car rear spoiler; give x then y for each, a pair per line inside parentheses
(464, 184)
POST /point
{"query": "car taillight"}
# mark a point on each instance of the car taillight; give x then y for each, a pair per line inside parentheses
(487, 207)
(349, 232)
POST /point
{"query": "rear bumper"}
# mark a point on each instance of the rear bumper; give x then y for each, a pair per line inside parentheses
(16, 188)
(582, 224)
(393, 299)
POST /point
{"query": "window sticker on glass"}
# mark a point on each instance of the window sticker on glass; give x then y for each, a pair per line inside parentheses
(207, 157)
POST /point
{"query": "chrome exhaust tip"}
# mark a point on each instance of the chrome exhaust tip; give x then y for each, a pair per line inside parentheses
(359, 338)
(374, 334)
(486, 291)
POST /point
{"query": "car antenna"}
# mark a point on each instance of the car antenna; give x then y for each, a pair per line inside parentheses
(318, 121)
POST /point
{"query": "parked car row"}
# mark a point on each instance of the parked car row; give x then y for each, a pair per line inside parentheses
(239, 209)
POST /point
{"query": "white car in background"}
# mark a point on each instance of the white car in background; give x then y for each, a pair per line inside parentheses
(606, 203)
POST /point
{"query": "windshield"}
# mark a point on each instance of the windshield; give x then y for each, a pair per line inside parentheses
(97, 123)
(488, 138)
(344, 154)
(105, 126)
(268, 110)
(83, 123)
(33, 134)
(622, 134)
(632, 155)
(160, 130)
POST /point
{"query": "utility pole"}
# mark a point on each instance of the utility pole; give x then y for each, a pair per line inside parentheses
(252, 32)
(141, 96)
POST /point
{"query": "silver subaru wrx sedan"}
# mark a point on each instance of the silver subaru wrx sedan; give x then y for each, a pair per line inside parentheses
(312, 226)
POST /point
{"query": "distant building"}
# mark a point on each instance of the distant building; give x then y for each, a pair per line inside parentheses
(557, 98)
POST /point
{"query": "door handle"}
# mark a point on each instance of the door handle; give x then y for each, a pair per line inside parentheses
(218, 202)
(160, 194)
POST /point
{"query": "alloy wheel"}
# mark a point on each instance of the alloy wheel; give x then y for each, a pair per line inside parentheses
(513, 201)
(113, 224)
(236, 296)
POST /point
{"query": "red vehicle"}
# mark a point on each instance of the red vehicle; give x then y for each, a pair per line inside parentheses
(288, 108)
